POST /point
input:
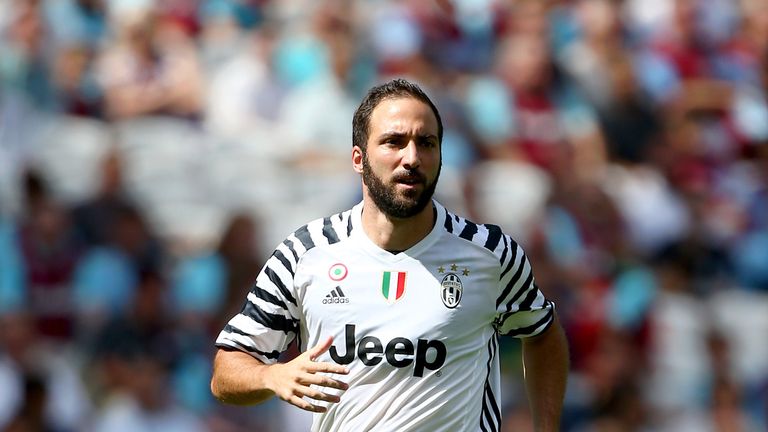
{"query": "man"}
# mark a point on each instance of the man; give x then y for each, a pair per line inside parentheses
(397, 303)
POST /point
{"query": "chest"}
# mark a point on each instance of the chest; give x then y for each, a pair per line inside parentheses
(408, 298)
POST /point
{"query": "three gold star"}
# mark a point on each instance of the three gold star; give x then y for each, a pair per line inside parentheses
(454, 268)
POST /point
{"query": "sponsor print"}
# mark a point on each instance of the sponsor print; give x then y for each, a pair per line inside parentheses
(336, 296)
(399, 352)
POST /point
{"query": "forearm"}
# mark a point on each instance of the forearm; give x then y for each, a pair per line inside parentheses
(546, 370)
(239, 379)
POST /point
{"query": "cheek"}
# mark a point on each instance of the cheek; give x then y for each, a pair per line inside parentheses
(433, 164)
(384, 163)
(375, 167)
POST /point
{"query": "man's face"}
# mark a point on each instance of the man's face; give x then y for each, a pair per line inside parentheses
(401, 164)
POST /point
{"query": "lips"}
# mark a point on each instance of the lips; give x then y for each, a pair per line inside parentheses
(410, 179)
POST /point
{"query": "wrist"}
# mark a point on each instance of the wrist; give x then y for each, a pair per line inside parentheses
(266, 378)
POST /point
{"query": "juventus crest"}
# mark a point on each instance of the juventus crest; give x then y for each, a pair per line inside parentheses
(451, 290)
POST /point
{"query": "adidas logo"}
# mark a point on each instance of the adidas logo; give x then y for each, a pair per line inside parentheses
(336, 296)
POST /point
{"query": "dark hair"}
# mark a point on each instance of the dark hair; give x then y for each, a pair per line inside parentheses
(397, 88)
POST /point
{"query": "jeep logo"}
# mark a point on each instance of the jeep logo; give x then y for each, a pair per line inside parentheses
(399, 352)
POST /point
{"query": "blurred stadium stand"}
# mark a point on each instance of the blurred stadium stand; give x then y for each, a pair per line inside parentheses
(152, 153)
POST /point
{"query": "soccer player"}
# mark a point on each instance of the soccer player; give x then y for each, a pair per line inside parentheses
(397, 304)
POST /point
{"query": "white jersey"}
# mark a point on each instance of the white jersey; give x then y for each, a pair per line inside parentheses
(418, 329)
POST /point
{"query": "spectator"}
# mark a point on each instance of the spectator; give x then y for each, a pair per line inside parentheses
(77, 91)
(50, 253)
(42, 386)
(207, 289)
(151, 69)
(25, 64)
(95, 218)
(245, 94)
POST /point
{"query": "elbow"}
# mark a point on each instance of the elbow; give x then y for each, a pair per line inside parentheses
(232, 379)
(216, 390)
(220, 391)
(218, 386)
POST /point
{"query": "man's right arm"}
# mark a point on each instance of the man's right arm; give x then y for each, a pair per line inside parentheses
(240, 379)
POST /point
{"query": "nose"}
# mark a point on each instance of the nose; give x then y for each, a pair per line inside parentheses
(411, 157)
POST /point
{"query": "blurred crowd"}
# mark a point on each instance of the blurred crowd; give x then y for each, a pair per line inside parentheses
(153, 152)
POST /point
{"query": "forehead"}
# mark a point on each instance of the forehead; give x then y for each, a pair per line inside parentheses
(403, 114)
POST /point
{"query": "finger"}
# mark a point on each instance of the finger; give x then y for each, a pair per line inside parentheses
(327, 367)
(318, 395)
(323, 381)
(301, 403)
(320, 348)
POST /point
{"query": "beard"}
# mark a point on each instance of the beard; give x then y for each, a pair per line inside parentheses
(395, 205)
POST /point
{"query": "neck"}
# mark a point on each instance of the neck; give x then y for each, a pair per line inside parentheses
(395, 234)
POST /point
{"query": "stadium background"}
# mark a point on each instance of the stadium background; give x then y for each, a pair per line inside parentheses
(153, 152)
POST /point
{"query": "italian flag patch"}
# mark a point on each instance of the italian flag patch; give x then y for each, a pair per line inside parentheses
(393, 286)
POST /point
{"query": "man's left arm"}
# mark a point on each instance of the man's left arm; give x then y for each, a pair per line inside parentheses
(545, 358)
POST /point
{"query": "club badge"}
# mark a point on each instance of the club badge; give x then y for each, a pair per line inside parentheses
(451, 290)
(451, 287)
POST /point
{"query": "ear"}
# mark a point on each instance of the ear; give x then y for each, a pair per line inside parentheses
(357, 159)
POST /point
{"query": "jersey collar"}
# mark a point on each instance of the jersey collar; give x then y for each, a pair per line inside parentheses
(359, 234)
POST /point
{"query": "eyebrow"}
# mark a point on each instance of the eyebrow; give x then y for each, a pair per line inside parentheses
(387, 135)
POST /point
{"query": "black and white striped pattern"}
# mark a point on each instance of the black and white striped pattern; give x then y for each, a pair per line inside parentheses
(268, 321)
(522, 310)
(501, 280)
(490, 419)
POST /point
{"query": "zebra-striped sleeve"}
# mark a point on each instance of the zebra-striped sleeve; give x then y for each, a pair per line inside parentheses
(521, 308)
(268, 321)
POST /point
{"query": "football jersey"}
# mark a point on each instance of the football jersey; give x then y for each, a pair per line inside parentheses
(418, 329)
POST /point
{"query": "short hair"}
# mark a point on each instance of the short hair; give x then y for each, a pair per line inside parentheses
(394, 89)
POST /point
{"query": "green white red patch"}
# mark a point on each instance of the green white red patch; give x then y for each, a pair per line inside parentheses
(393, 285)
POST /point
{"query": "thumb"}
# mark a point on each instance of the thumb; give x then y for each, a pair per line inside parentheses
(320, 348)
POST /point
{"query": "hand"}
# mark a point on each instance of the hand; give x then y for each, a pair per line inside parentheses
(291, 381)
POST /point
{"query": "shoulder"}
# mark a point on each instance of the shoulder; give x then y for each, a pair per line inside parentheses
(321, 232)
(281, 267)
(486, 237)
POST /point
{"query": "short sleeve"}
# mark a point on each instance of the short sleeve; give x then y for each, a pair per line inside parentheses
(521, 308)
(268, 321)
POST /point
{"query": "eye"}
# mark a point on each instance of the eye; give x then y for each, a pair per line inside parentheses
(428, 143)
(392, 140)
